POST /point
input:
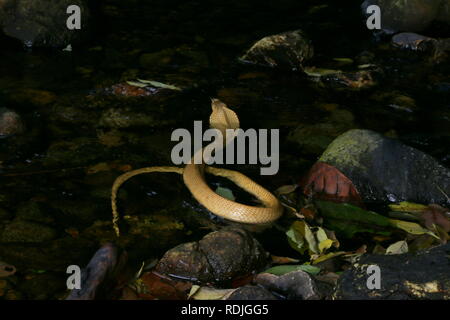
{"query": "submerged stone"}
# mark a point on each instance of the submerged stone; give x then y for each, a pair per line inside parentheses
(41, 22)
(288, 49)
(406, 15)
(10, 123)
(26, 232)
(315, 138)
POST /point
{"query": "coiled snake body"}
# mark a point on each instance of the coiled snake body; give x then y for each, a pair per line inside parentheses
(221, 118)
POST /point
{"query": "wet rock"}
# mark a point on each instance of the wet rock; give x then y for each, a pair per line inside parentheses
(314, 138)
(42, 286)
(436, 49)
(10, 123)
(42, 22)
(55, 255)
(220, 256)
(385, 170)
(444, 12)
(412, 41)
(76, 213)
(396, 100)
(40, 98)
(407, 15)
(296, 285)
(125, 118)
(32, 211)
(286, 50)
(251, 293)
(353, 80)
(156, 59)
(73, 115)
(185, 59)
(422, 275)
(7, 290)
(26, 232)
(4, 215)
(76, 152)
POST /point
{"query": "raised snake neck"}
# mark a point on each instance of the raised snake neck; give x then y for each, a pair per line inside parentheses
(222, 118)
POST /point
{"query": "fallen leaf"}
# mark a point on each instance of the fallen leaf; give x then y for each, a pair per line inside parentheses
(157, 84)
(137, 84)
(327, 256)
(347, 219)
(301, 238)
(226, 193)
(378, 249)
(283, 260)
(280, 270)
(407, 207)
(155, 286)
(286, 189)
(325, 244)
(399, 247)
(319, 72)
(326, 182)
(411, 227)
(208, 293)
(435, 214)
(103, 166)
(343, 61)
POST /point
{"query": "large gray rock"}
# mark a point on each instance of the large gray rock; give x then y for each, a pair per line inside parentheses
(423, 275)
(409, 15)
(295, 285)
(41, 22)
(385, 170)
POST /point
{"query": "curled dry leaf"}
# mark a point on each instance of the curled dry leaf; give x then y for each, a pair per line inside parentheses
(435, 214)
(283, 260)
(208, 293)
(154, 286)
(286, 189)
(397, 248)
(326, 182)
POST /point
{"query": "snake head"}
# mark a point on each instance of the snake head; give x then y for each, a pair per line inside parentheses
(222, 117)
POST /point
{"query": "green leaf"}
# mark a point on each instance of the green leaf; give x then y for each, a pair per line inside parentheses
(280, 270)
(328, 256)
(347, 219)
(161, 85)
(226, 193)
(286, 189)
(408, 207)
(325, 244)
(319, 72)
(137, 84)
(343, 61)
(301, 238)
(411, 227)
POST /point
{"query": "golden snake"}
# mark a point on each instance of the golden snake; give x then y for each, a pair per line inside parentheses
(221, 118)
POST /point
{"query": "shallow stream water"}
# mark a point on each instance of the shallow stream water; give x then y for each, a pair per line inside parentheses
(59, 172)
